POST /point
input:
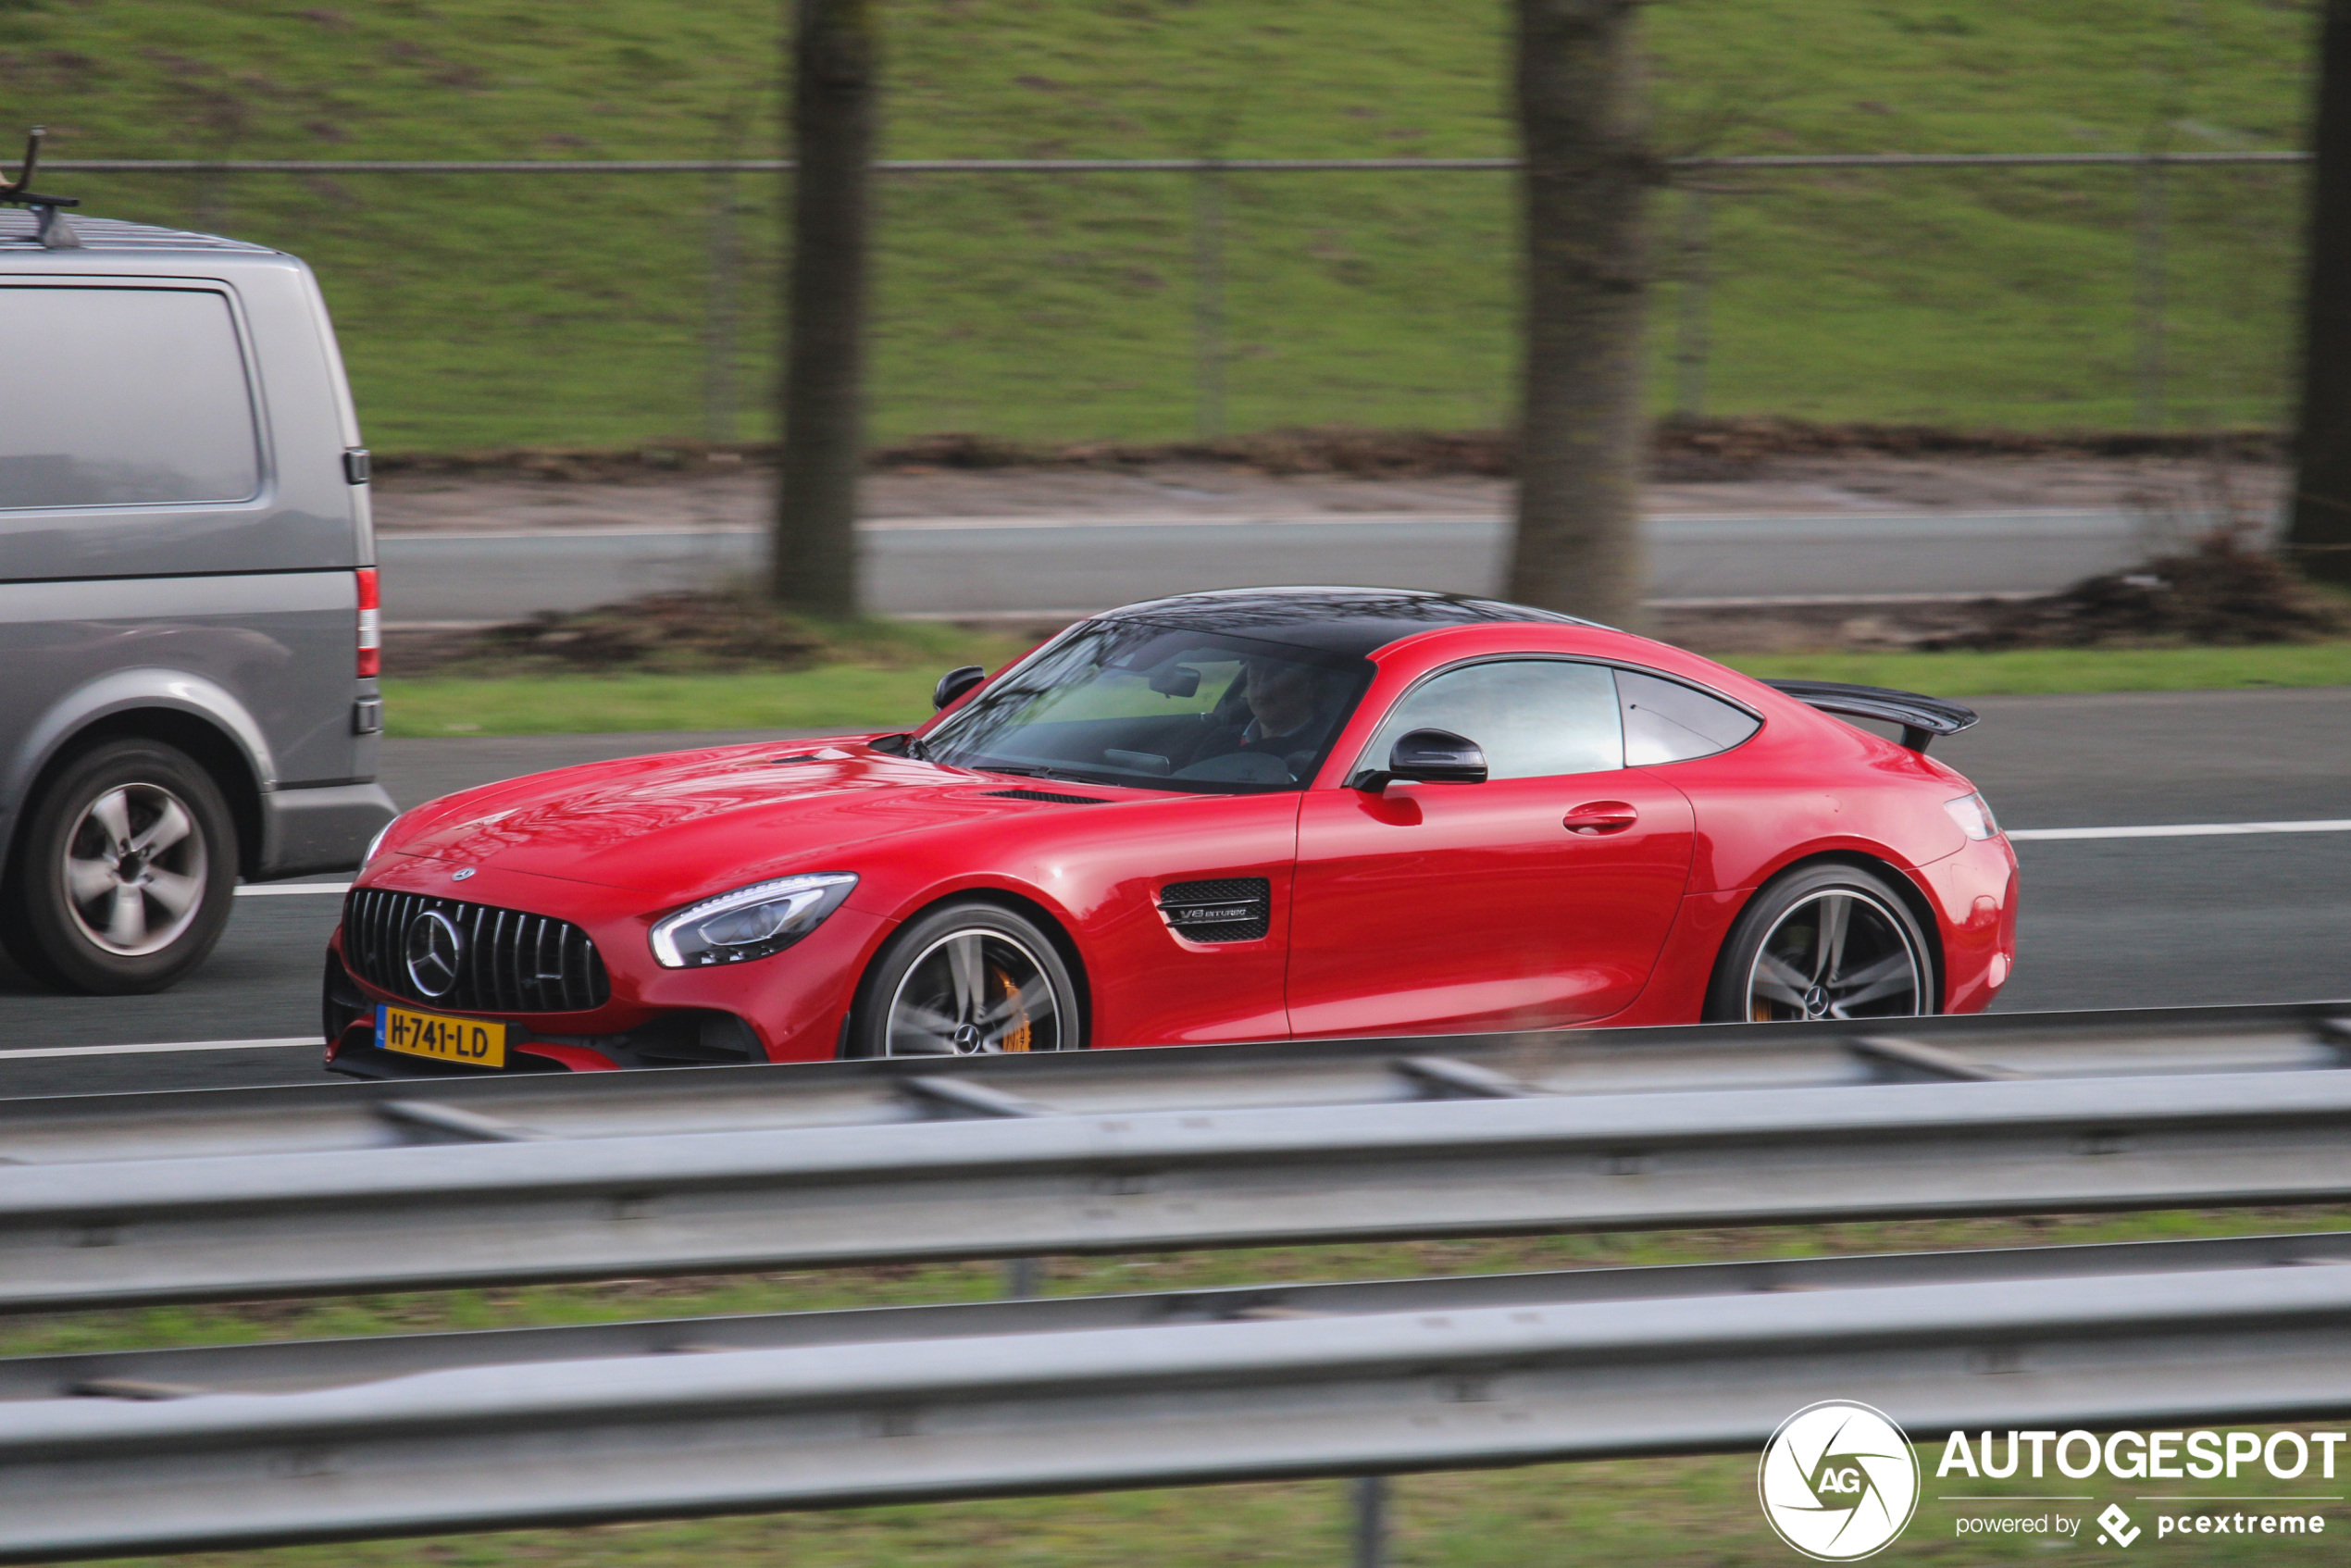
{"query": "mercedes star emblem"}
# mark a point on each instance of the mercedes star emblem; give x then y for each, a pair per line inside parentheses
(434, 946)
(461, 875)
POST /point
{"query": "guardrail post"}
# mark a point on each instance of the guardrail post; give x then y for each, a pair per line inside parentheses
(1208, 303)
(1689, 325)
(1023, 1279)
(1367, 1504)
(2150, 291)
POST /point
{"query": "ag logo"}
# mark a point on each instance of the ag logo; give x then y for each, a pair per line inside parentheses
(1838, 1480)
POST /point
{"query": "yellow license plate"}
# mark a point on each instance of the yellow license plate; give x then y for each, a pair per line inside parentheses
(441, 1037)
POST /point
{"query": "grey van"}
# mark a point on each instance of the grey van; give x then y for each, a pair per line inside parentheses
(188, 637)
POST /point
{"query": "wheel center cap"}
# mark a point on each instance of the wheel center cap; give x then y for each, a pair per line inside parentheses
(966, 1037)
(1816, 1001)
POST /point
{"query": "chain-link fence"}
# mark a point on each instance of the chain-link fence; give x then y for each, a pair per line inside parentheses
(490, 304)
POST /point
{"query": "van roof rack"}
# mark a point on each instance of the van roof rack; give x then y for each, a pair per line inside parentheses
(49, 225)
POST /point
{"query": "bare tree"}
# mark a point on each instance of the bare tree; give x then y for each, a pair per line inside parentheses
(2321, 534)
(1589, 169)
(837, 58)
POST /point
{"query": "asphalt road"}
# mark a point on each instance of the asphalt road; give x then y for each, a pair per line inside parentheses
(2106, 923)
(979, 566)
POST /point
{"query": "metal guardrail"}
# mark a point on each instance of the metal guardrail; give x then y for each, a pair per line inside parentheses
(739, 1169)
(345, 1114)
(295, 1443)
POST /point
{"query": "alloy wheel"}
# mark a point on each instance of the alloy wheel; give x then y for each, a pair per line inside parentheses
(1840, 953)
(135, 869)
(974, 992)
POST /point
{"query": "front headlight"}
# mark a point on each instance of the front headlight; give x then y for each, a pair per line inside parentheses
(752, 922)
(1974, 814)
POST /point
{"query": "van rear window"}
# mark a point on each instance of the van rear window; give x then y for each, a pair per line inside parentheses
(123, 397)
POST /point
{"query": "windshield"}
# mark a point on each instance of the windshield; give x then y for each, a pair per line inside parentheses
(1129, 702)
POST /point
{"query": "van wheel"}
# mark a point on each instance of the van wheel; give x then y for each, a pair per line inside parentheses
(122, 879)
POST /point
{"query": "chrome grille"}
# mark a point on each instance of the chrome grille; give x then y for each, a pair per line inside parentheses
(511, 962)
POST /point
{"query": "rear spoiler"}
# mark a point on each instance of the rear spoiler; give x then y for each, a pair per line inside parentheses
(1921, 718)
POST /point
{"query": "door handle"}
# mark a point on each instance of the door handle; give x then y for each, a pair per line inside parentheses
(1601, 816)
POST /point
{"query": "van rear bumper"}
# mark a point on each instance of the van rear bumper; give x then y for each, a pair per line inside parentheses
(325, 827)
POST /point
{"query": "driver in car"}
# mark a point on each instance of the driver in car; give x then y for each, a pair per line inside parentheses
(1288, 707)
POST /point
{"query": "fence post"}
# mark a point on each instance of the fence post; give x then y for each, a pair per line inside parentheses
(1689, 327)
(2150, 291)
(719, 324)
(1208, 303)
(208, 212)
(1367, 1499)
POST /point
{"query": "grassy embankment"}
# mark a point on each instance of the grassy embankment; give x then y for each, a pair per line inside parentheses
(480, 311)
(854, 696)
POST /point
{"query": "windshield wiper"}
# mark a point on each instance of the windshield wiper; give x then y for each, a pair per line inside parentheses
(1024, 771)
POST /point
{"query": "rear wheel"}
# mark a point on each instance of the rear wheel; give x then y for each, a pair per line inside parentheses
(1828, 942)
(971, 979)
(122, 881)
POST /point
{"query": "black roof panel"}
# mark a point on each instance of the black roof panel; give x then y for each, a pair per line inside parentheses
(1353, 621)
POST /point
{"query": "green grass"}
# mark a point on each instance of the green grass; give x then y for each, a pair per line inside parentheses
(480, 311)
(1676, 1511)
(849, 696)
(854, 696)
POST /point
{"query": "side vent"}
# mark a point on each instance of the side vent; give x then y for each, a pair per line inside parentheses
(1230, 908)
(1050, 797)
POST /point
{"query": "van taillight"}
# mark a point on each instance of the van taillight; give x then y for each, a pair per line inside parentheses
(371, 625)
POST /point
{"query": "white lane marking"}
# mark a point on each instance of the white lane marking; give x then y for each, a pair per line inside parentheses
(274, 889)
(2187, 829)
(313, 1041)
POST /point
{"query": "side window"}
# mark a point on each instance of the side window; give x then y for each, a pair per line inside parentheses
(122, 397)
(1533, 717)
(1666, 721)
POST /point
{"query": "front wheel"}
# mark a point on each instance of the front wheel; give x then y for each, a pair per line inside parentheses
(971, 979)
(122, 881)
(1828, 942)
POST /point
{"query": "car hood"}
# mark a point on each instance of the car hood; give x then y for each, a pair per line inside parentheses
(678, 826)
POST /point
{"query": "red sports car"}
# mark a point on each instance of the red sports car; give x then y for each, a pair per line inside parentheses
(1321, 812)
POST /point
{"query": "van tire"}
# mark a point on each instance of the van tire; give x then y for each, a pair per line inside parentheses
(123, 874)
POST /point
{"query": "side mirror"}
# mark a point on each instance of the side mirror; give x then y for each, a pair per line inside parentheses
(1428, 757)
(955, 682)
(1179, 681)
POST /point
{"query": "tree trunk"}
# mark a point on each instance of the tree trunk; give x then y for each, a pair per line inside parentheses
(836, 60)
(2320, 539)
(1585, 184)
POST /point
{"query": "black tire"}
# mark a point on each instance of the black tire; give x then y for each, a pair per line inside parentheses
(1786, 959)
(80, 914)
(966, 979)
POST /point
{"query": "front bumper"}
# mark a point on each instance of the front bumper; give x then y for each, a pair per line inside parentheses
(790, 1007)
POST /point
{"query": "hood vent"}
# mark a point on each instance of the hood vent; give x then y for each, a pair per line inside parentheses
(1050, 797)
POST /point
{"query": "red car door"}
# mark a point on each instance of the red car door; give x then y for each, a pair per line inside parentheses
(1536, 900)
